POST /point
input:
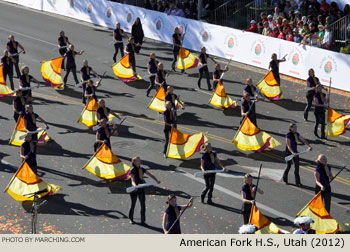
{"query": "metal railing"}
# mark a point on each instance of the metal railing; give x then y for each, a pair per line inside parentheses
(341, 30)
(239, 13)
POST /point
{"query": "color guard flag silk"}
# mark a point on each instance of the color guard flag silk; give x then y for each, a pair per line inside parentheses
(158, 101)
(122, 69)
(4, 89)
(264, 225)
(251, 138)
(25, 181)
(220, 99)
(51, 72)
(323, 222)
(182, 146)
(20, 130)
(270, 88)
(88, 117)
(186, 60)
(336, 123)
(104, 164)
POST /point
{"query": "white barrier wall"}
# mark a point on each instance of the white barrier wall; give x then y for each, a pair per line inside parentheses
(245, 47)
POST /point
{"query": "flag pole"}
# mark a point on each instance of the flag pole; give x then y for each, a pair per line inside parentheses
(257, 184)
(337, 173)
(329, 100)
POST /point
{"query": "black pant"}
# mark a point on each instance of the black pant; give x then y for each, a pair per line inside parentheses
(15, 116)
(84, 98)
(176, 53)
(326, 197)
(151, 84)
(132, 63)
(140, 193)
(296, 169)
(320, 119)
(16, 64)
(309, 99)
(118, 46)
(204, 71)
(167, 132)
(62, 51)
(209, 186)
(246, 209)
(74, 71)
(10, 75)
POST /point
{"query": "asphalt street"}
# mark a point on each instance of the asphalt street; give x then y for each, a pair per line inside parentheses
(88, 204)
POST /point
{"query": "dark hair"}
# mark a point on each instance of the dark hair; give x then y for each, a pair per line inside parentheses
(170, 197)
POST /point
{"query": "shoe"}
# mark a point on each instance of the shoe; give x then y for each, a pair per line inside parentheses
(147, 94)
(132, 221)
(210, 89)
(144, 224)
(299, 185)
(173, 69)
(210, 202)
(316, 135)
(202, 199)
(306, 120)
(199, 86)
(164, 156)
(323, 137)
(285, 181)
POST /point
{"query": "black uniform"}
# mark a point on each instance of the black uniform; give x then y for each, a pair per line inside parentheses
(204, 70)
(252, 116)
(320, 116)
(208, 178)
(7, 69)
(13, 46)
(176, 49)
(310, 96)
(139, 193)
(118, 45)
(153, 69)
(170, 119)
(71, 66)
(293, 145)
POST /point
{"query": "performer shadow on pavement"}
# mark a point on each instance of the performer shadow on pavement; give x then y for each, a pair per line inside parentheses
(42, 101)
(54, 149)
(58, 205)
(71, 91)
(124, 132)
(70, 129)
(201, 106)
(113, 94)
(290, 105)
(196, 121)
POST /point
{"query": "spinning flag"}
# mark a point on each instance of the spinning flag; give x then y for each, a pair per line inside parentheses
(122, 69)
(51, 71)
(269, 87)
(220, 99)
(88, 117)
(323, 222)
(182, 146)
(104, 164)
(251, 138)
(264, 225)
(158, 101)
(25, 181)
(4, 90)
(186, 60)
(336, 123)
(20, 130)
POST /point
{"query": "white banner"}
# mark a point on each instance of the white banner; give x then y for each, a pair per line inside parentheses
(245, 47)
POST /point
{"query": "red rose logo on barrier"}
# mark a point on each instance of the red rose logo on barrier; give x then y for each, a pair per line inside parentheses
(328, 67)
(258, 49)
(159, 24)
(129, 18)
(54, 1)
(109, 13)
(231, 42)
(205, 36)
(72, 3)
(90, 8)
(296, 59)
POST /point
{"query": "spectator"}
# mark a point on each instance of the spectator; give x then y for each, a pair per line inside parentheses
(271, 22)
(346, 10)
(297, 16)
(328, 39)
(160, 6)
(288, 8)
(263, 17)
(279, 21)
(253, 27)
(289, 36)
(266, 29)
(297, 37)
(260, 28)
(291, 17)
(324, 7)
(305, 30)
(285, 23)
(300, 26)
(312, 28)
(281, 34)
(320, 20)
(320, 33)
(282, 5)
(275, 3)
(275, 32)
(276, 14)
(177, 11)
(188, 14)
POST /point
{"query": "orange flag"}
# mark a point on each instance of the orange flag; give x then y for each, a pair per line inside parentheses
(51, 72)
(4, 89)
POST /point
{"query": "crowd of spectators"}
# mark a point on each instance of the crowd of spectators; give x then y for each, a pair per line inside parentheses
(304, 21)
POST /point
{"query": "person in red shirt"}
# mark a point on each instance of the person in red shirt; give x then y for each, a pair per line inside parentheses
(281, 34)
(253, 27)
(263, 17)
(324, 6)
(289, 36)
(275, 32)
